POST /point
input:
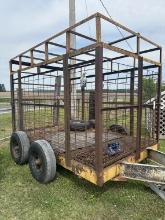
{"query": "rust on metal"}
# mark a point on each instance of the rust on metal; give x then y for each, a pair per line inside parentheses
(144, 172)
(98, 114)
(45, 93)
(67, 111)
(139, 110)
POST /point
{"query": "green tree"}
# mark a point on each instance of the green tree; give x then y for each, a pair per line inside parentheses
(2, 88)
(149, 88)
(163, 86)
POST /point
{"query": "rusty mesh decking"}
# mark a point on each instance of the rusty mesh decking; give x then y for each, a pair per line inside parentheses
(79, 139)
(84, 151)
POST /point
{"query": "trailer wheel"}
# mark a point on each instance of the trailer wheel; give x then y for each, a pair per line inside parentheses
(42, 161)
(19, 147)
(76, 125)
(119, 129)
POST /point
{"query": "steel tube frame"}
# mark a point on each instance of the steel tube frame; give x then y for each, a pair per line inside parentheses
(98, 115)
(159, 98)
(98, 61)
(98, 16)
(140, 106)
(12, 100)
(20, 106)
(132, 102)
(67, 110)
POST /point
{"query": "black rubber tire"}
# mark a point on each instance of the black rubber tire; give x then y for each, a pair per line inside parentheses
(118, 129)
(79, 125)
(19, 147)
(42, 161)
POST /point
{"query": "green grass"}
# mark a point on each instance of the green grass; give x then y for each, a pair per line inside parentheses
(5, 125)
(69, 197)
(6, 100)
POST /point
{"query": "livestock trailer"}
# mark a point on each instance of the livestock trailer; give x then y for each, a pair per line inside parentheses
(85, 108)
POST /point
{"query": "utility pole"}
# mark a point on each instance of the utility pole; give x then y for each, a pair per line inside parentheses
(72, 21)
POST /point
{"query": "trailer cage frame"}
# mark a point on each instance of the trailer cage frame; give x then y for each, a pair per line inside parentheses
(54, 96)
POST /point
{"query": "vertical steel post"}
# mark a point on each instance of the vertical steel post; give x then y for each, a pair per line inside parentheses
(159, 97)
(57, 92)
(139, 109)
(72, 44)
(68, 45)
(92, 105)
(31, 57)
(98, 29)
(98, 114)
(98, 104)
(67, 110)
(83, 103)
(20, 95)
(12, 98)
(46, 51)
(132, 102)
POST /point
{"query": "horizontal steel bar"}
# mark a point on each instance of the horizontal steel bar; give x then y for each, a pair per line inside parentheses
(128, 30)
(35, 58)
(78, 24)
(57, 45)
(35, 84)
(39, 99)
(122, 39)
(58, 34)
(129, 54)
(127, 107)
(41, 66)
(130, 69)
(83, 36)
(37, 74)
(117, 24)
(149, 41)
(43, 52)
(118, 71)
(53, 54)
(149, 50)
(44, 105)
(60, 58)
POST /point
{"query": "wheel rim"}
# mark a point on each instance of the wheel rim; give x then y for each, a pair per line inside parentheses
(37, 162)
(16, 150)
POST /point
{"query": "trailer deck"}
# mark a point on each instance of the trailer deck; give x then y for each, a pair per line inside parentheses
(84, 152)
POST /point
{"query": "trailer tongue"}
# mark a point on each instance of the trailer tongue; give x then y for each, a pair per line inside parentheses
(152, 175)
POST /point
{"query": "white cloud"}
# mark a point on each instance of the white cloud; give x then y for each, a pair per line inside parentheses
(25, 23)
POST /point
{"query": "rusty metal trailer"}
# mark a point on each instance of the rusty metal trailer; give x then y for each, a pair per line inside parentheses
(90, 115)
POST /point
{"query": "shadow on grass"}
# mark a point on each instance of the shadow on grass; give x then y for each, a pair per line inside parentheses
(91, 188)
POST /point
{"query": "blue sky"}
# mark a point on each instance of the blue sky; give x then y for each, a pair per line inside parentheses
(25, 23)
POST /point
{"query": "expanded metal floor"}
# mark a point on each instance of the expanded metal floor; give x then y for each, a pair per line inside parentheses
(83, 144)
(80, 140)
